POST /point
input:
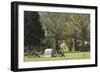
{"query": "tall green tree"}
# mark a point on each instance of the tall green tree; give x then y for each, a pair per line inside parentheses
(56, 25)
(33, 32)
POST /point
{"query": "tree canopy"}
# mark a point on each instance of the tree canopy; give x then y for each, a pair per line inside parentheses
(66, 26)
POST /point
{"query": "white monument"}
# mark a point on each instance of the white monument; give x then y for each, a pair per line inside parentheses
(48, 52)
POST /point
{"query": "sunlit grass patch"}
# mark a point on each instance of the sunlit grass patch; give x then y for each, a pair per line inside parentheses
(68, 56)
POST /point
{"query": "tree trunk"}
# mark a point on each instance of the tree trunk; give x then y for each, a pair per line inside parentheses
(58, 50)
(73, 48)
(83, 45)
(57, 44)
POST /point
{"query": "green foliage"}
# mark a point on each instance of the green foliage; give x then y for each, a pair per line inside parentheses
(33, 32)
(67, 26)
(82, 23)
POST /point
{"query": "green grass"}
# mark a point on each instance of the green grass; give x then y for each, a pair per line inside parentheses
(68, 56)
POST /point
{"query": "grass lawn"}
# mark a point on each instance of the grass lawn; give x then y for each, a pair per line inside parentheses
(68, 56)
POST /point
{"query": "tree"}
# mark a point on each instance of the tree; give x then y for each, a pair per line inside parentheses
(82, 24)
(56, 25)
(33, 32)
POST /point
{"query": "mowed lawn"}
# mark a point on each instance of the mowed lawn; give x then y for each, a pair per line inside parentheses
(68, 56)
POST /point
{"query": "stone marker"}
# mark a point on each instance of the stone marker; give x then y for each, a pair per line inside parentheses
(48, 52)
